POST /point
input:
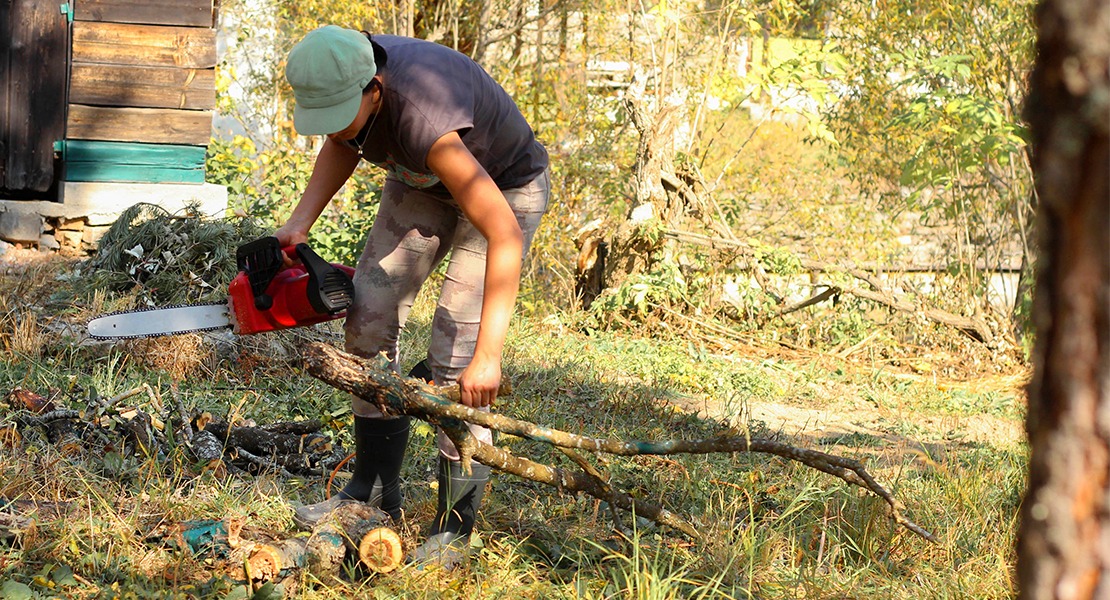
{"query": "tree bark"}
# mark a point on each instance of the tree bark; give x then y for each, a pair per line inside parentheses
(1064, 537)
(630, 252)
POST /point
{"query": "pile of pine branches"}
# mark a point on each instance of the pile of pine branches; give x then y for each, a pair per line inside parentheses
(166, 258)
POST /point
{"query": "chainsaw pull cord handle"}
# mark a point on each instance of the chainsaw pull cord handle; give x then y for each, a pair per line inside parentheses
(330, 289)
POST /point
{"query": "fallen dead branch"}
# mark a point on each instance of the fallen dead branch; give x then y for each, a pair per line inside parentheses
(974, 327)
(374, 380)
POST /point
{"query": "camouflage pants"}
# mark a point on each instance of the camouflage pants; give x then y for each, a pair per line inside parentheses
(411, 235)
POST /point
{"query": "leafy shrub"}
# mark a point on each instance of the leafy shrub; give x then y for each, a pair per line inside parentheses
(267, 184)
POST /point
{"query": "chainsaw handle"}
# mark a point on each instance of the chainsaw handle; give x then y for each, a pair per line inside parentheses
(261, 260)
(290, 255)
(330, 290)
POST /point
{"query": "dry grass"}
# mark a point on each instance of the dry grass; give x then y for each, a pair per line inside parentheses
(179, 356)
(772, 529)
(21, 333)
(27, 279)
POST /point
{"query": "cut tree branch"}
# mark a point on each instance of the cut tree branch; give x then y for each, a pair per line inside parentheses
(973, 327)
(375, 381)
(827, 293)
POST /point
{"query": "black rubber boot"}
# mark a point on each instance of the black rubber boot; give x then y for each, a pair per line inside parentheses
(460, 496)
(379, 452)
(421, 371)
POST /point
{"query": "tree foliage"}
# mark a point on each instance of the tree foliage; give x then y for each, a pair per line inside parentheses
(692, 108)
(929, 117)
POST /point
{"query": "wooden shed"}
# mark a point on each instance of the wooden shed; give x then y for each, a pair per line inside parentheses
(103, 103)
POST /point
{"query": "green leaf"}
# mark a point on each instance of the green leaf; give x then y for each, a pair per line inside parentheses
(270, 591)
(13, 590)
(423, 430)
(63, 575)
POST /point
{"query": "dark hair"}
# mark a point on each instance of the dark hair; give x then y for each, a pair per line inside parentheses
(380, 56)
(380, 59)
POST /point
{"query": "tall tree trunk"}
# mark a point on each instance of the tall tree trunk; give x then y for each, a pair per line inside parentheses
(1064, 538)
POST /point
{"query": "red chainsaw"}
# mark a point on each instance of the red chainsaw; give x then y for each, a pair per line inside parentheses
(266, 295)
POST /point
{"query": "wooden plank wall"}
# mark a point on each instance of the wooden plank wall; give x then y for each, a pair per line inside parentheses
(191, 13)
(32, 93)
(142, 71)
(121, 161)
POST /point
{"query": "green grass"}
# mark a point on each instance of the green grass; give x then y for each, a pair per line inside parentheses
(772, 528)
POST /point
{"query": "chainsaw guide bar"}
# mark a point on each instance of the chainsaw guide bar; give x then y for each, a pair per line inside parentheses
(169, 320)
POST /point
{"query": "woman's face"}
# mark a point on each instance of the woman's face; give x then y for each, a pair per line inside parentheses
(349, 132)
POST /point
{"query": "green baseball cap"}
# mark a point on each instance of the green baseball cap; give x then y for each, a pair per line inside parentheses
(328, 70)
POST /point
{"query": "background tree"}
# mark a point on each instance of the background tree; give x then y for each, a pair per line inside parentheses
(679, 118)
(1064, 540)
(929, 119)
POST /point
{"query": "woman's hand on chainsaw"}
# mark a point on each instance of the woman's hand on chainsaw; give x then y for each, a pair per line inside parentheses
(333, 167)
(288, 237)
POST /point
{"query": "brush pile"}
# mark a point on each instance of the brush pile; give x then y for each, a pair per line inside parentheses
(122, 436)
(166, 258)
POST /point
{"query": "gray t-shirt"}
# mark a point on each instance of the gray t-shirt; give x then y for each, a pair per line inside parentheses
(432, 90)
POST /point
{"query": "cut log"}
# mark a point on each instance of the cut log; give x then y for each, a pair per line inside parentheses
(324, 552)
(206, 447)
(359, 528)
(320, 554)
(367, 534)
(266, 561)
(381, 550)
(294, 427)
(262, 441)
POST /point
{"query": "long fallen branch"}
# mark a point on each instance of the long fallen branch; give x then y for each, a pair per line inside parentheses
(974, 327)
(375, 381)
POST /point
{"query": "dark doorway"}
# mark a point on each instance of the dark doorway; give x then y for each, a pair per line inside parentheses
(34, 49)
